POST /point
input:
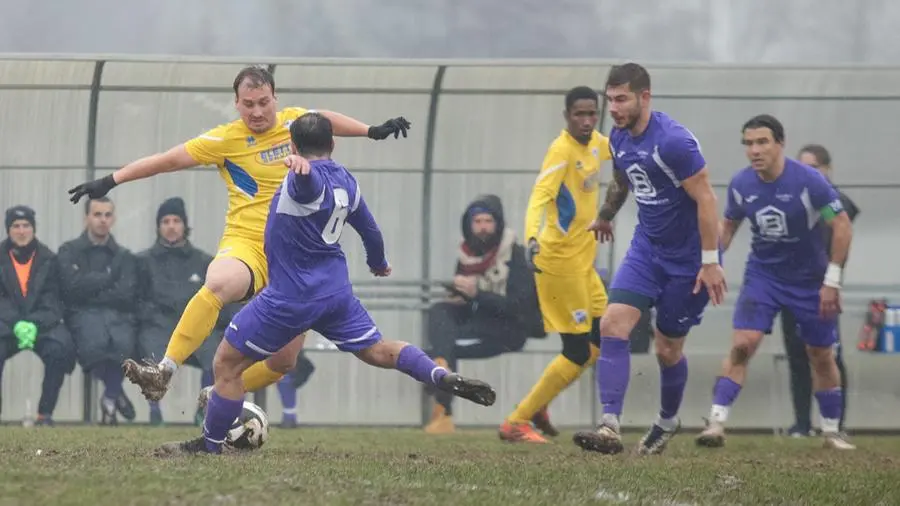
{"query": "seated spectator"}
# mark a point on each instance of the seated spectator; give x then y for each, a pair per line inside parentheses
(99, 280)
(31, 313)
(492, 305)
(169, 273)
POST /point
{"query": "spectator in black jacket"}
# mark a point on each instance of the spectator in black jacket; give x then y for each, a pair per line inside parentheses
(31, 313)
(99, 279)
(491, 307)
(169, 273)
(818, 157)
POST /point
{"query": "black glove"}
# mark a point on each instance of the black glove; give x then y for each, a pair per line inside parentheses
(394, 126)
(93, 189)
(531, 250)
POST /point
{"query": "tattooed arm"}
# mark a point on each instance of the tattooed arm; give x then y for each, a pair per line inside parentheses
(616, 195)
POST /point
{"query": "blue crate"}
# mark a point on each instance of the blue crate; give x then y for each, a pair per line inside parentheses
(889, 337)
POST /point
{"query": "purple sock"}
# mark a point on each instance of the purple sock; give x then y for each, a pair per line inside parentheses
(220, 415)
(613, 373)
(288, 393)
(206, 379)
(725, 391)
(414, 362)
(830, 402)
(672, 382)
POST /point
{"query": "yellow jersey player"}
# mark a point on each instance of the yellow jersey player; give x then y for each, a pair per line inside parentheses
(250, 154)
(561, 253)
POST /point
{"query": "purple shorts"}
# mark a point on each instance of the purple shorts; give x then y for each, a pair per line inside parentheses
(762, 298)
(269, 322)
(668, 283)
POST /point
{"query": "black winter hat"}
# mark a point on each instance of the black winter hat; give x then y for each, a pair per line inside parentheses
(19, 213)
(173, 206)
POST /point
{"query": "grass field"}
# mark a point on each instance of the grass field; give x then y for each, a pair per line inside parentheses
(88, 465)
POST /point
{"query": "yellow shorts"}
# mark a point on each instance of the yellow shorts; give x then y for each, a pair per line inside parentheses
(570, 303)
(251, 253)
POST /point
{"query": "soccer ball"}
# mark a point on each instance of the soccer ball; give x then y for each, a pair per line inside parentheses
(250, 430)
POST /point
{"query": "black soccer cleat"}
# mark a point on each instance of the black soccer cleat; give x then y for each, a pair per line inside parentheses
(605, 440)
(196, 446)
(474, 390)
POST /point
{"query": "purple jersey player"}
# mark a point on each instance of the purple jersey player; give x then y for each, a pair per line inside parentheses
(310, 288)
(673, 260)
(787, 204)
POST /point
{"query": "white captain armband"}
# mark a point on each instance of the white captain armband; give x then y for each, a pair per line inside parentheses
(833, 276)
(710, 257)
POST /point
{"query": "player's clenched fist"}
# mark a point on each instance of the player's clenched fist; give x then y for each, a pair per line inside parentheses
(93, 189)
(382, 272)
(297, 164)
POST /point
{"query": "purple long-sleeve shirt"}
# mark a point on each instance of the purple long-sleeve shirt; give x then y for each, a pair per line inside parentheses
(305, 223)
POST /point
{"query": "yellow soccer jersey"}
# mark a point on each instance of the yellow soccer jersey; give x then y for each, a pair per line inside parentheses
(252, 166)
(566, 195)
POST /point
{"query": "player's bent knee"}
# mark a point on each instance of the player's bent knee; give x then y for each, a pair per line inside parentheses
(576, 348)
(228, 278)
(669, 350)
(619, 320)
(744, 346)
(382, 354)
(227, 363)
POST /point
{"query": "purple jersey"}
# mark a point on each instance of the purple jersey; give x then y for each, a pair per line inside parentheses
(305, 223)
(788, 243)
(656, 162)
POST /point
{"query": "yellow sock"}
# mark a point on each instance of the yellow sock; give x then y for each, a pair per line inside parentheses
(558, 375)
(195, 325)
(259, 376)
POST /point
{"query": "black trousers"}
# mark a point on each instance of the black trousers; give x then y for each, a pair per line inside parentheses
(801, 372)
(448, 323)
(57, 361)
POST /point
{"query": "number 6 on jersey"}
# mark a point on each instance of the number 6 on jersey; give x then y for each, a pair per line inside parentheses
(335, 224)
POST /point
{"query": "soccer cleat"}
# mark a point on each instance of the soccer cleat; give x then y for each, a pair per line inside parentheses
(203, 399)
(152, 378)
(512, 432)
(196, 446)
(108, 412)
(837, 441)
(44, 421)
(541, 421)
(441, 425)
(605, 439)
(476, 391)
(713, 436)
(656, 439)
(125, 407)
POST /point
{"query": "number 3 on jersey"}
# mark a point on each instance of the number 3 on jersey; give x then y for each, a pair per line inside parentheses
(335, 224)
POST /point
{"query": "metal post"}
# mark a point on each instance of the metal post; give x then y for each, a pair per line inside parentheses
(90, 170)
(427, 180)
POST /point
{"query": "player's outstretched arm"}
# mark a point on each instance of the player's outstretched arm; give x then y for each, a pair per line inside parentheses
(345, 126)
(699, 189)
(172, 160)
(363, 222)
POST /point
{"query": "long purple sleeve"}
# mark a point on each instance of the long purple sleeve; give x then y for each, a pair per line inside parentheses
(364, 223)
(305, 189)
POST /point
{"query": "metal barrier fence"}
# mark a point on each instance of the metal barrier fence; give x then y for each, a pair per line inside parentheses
(479, 127)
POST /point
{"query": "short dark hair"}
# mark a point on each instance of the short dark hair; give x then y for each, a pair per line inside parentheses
(102, 200)
(823, 157)
(256, 76)
(766, 121)
(580, 93)
(635, 76)
(312, 134)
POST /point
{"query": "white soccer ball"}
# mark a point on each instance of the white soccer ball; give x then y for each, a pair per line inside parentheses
(250, 430)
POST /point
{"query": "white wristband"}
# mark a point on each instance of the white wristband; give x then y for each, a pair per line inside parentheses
(833, 276)
(710, 257)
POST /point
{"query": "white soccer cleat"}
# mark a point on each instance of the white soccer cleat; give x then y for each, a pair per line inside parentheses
(837, 441)
(713, 436)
